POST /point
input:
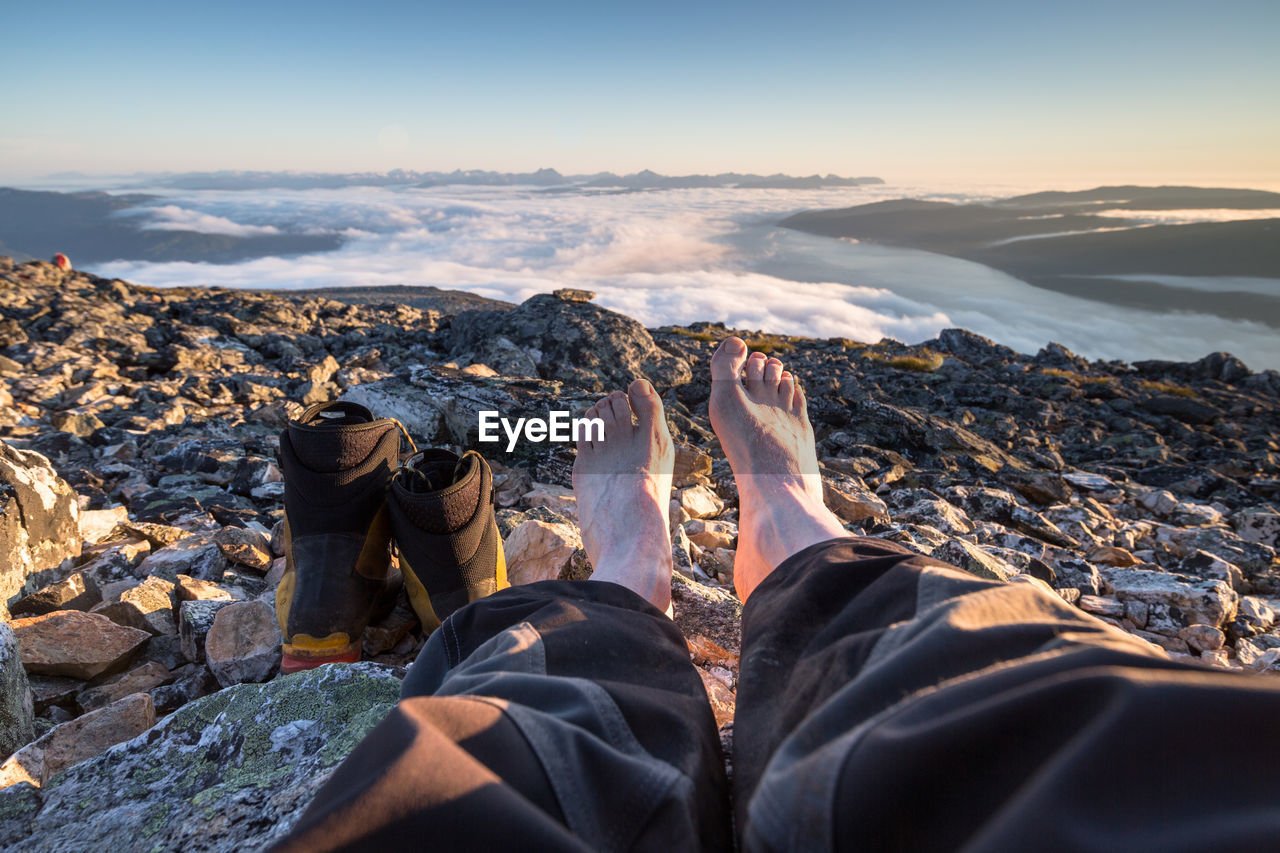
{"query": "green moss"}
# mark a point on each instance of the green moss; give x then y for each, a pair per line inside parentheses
(1167, 388)
(926, 361)
(769, 344)
(705, 337)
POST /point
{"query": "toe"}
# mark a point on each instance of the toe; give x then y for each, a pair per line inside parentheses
(584, 441)
(786, 389)
(799, 405)
(621, 409)
(645, 402)
(727, 361)
(755, 371)
(772, 374)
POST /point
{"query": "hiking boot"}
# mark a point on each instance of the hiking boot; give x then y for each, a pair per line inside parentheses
(337, 461)
(445, 531)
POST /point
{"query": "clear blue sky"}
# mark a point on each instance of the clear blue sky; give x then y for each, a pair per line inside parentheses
(1065, 92)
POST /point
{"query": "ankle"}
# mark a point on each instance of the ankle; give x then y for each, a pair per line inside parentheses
(790, 521)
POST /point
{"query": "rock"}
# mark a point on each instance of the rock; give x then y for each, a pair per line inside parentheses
(82, 738)
(482, 371)
(1100, 606)
(97, 524)
(17, 710)
(707, 652)
(80, 645)
(76, 592)
(692, 465)
(1202, 638)
(1185, 409)
(266, 750)
(938, 514)
(1206, 565)
(245, 547)
(849, 498)
(700, 502)
(974, 560)
(140, 679)
(682, 559)
(713, 613)
(273, 577)
(557, 498)
(194, 589)
(1222, 366)
(190, 682)
(1077, 574)
(575, 342)
(510, 485)
(158, 535)
(50, 690)
(1037, 486)
(1109, 555)
(1260, 653)
(154, 600)
(539, 550)
(391, 631)
(1169, 644)
(1256, 613)
(566, 294)
(39, 519)
(195, 618)
(125, 615)
(166, 650)
(709, 534)
(440, 408)
(1176, 602)
(1095, 483)
(722, 699)
(114, 560)
(197, 556)
(243, 644)
(1258, 524)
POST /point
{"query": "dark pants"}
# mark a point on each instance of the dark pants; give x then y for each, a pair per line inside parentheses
(885, 702)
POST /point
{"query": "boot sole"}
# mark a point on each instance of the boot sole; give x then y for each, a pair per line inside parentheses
(308, 653)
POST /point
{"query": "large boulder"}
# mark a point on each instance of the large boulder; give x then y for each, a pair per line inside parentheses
(232, 771)
(16, 727)
(75, 644)
(561, 337)
(1175, 601)
(39, 520)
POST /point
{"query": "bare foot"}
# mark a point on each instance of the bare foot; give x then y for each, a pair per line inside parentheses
(623, 488)
(763, 426)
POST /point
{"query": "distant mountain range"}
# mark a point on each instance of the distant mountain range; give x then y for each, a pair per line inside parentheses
(82, 225)
(1059, 241)
(548, 178)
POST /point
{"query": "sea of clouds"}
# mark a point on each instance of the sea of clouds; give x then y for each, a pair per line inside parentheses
(672, 256)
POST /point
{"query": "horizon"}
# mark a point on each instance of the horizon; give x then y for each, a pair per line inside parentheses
(1152, 93)
(83, 181)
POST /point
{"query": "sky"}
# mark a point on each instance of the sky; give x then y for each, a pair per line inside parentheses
(1044, 94)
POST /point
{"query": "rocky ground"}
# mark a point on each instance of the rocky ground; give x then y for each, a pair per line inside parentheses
(140, 706)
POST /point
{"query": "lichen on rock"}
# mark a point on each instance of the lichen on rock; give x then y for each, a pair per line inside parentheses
(231, 771)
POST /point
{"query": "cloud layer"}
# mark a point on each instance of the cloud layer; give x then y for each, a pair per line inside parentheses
(672, 257)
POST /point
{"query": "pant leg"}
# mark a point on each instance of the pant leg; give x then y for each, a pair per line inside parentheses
(559, 715)
(887, 701)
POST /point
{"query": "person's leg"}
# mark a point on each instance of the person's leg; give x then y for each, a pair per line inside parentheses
(889, 701)
(558, 715)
